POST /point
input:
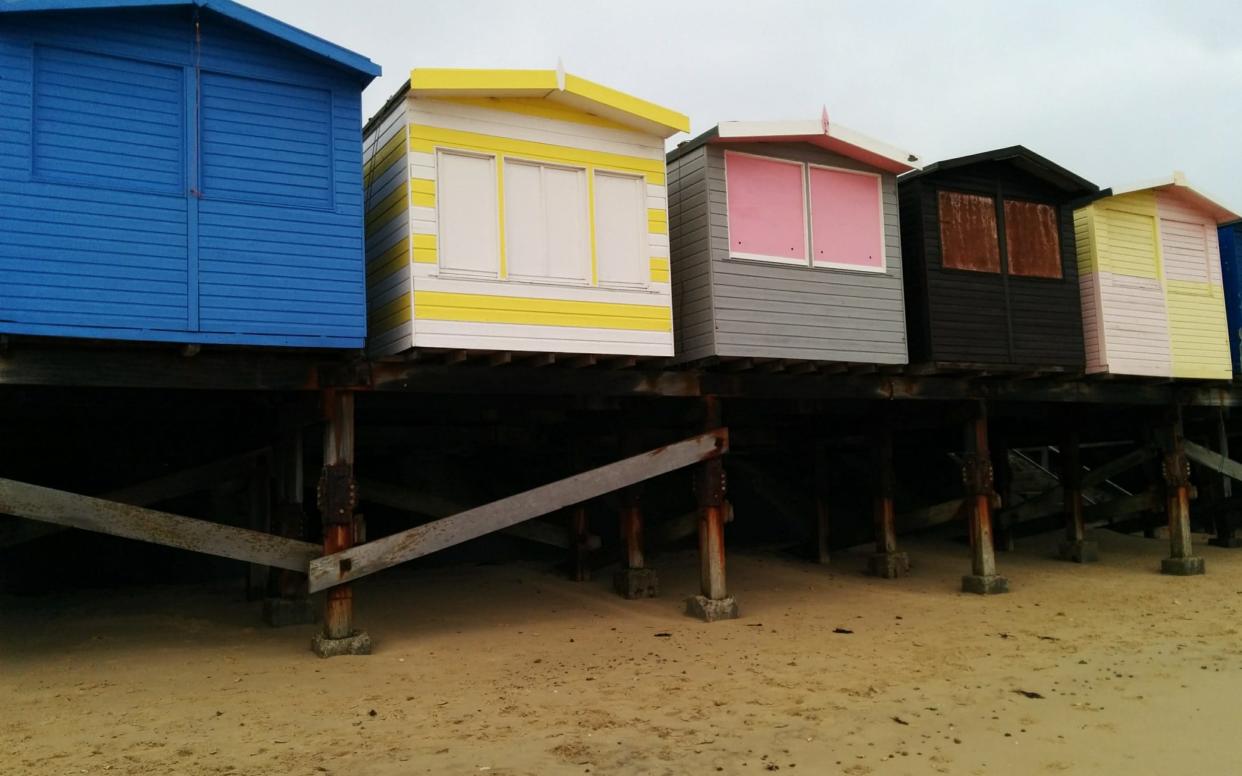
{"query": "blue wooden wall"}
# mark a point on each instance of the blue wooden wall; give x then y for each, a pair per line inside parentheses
(152, 188)
(1231, 272)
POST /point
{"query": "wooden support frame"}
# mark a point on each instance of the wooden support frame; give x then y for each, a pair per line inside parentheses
(337, 506)
(101, 516)
(1176, 469)
(339, 567)
(977, 477)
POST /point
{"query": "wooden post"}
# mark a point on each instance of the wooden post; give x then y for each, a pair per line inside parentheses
(1226, 516)
(579, 544)
(1181, 560)
(1075, 547)
(634, 579)
(713, 602)
(977, 476)
(887, 562)
(288, 602)
(259, 493)
(338, 497)
(822, 526)
(1003, 490)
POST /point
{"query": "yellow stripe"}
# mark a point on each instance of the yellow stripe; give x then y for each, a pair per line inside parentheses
(383, 211)
(537, 106)
(391, 315)
(425, 249)
(627, 103)
(389, 261)
(384, 157)
(480, 308)
(425, 139)
(422, 186)
(453, 79)
(659, 270)
(657, 220)
(423, 200)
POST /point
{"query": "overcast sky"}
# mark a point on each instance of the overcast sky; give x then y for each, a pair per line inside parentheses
(1117, 92)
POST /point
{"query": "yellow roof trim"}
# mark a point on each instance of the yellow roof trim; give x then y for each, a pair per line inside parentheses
(558, 86)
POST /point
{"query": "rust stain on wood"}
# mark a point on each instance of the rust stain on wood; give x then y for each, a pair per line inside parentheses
(1031, 242)
(968, 235)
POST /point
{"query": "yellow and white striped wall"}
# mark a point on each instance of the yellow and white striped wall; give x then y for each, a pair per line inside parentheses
(1150, 275)
(539, 117)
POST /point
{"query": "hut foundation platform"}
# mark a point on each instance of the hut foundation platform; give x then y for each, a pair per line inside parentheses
(636, 583)
(1182, 567)
(711, 609)
(889, 565)
(357, 643)
(1079, 551)
(990, 584)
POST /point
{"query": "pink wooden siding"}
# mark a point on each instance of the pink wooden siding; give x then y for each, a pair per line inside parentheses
(766, 207)
(845, 218)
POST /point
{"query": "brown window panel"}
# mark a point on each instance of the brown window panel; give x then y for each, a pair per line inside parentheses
(968, 232)
(1031, 242)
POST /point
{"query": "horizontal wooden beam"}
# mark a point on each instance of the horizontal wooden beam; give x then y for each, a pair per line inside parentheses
(1049, 502)
(416, 542)
(1217, 462)
(1124, 505)
(417, 502)
(93, 514)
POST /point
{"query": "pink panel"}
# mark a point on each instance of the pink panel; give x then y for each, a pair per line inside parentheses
(845, 219)
(766, 210)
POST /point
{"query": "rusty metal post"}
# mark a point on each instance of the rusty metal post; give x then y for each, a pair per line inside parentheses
(822, 525)
(887, 562)
(1176, 470)
(714, 602)
(338, 498)
(1075, 547)
(977, 477)
(287, 602)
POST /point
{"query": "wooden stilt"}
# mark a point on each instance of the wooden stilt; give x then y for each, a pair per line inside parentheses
(287, 602)
(822, 525)
(713, 602)
(1226, 517)
(1075, 547)
(1181, 560)
(260, 496)
(338, 497)
(579, 543)
(977, 475)
(1003, 488)
(634, 579)
(887, 562)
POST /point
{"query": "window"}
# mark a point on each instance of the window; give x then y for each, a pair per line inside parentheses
(968, 236)
(767, 208)
(1032, 245)
(469, 240)
(107, 121)
(621, 230)
(266, 142)
(1186, 255)
(547, 234)
(847, 228)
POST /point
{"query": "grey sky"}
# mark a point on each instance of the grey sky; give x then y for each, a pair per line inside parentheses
(1118, 92)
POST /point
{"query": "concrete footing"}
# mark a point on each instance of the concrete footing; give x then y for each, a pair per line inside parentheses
(636, 583)
(711, 609)
(1083, 551)
(359, 643)
(281, 612)
(991, 584)
(889, 565)
(1182, 567)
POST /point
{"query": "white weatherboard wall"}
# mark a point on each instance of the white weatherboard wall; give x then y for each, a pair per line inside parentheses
(531, 227)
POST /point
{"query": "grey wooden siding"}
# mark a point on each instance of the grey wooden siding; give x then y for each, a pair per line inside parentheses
(690, 265)
(765, 310)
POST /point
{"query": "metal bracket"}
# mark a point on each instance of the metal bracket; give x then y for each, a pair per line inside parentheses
(709, 483)
(977, 474)
(337, 493)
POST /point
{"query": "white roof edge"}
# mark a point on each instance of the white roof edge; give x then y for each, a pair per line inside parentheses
(1178, 179)
(777, 130)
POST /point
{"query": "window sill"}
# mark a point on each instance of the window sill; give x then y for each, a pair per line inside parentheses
(877, 271)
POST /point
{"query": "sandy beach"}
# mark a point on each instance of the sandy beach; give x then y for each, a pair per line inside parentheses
(511, 669)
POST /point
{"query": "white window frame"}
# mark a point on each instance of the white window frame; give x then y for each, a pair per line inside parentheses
(643, 226)
(453, 272)
(585, 280)
(810, 227)
(806, 226)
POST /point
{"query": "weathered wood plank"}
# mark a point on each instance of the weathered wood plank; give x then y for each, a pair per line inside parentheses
(93, 514)
(416, 542)
(1217, 462)
(1123, 506)
(1050, 501)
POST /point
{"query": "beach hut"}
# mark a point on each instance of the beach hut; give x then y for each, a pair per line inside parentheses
(1152, 294)
(991, 273)
(518, 210)
(178, 171)
(786, 244)
(1230, 236)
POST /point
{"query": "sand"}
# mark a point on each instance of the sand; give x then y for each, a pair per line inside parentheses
(510, 669)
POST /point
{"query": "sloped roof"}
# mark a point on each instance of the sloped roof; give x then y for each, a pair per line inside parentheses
(819, 132)
(239, 13)
(555, 85)
(1024, 159)
(1177, 184)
